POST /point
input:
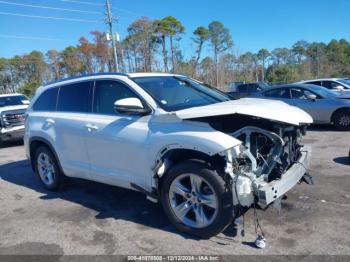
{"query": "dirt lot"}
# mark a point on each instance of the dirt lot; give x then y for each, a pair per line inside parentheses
(92, 218)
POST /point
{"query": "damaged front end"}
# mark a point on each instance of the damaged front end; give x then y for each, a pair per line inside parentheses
(269, 162)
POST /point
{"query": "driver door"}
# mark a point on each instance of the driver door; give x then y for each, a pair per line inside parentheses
(116, 142)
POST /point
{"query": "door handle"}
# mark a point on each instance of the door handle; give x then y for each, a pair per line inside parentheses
(91, 127)
(50, 121)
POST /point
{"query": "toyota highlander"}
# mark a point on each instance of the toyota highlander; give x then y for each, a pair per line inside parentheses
(204, 157)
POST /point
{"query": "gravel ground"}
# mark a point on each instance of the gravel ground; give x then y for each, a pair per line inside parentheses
(92, 218)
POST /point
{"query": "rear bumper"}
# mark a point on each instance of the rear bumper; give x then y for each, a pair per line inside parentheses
(13, 133)
(275, 189)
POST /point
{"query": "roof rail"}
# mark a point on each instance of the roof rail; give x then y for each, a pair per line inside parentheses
(86, 75)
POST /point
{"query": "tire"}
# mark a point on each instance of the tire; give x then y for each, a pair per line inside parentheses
(341, 119)
(211, 192)
(47, 169)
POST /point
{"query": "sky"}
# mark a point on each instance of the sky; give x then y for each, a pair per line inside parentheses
(254, 24)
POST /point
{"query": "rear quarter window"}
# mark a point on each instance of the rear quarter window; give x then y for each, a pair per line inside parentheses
(47, 100)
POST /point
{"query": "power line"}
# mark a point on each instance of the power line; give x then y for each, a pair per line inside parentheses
(126, 11)
(81, 2)
(95, 4)
(52, 18)
(32, 37)
(49, 7)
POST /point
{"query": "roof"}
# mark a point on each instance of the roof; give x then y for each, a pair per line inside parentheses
(131, 75)
(322, 79)
(292, 85)
(83, 76)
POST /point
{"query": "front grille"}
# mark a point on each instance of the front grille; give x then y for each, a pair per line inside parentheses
(13, 118)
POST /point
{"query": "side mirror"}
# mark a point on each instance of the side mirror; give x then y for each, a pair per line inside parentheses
(338, 88)
(131, 105)
(312, 97)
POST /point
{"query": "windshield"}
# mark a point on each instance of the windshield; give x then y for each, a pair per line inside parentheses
(13, 100)
(345, 81)
(175, 93)
(324, 91)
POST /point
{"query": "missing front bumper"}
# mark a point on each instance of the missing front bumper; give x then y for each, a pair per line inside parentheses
(269, 192)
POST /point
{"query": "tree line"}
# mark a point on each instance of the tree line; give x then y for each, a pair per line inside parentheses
(154, 45)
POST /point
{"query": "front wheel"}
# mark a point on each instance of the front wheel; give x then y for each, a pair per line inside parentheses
(341, 119)
(196, 200)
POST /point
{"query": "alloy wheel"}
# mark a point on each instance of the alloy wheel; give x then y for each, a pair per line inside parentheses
(344, 120)
(193, 200)
(46, 169)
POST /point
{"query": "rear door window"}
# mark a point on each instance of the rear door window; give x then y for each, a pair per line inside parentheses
(75, 97)
(278, 93)
(47, 100)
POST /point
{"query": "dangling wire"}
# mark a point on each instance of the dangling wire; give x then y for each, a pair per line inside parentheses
(243, 226)
(256, 222)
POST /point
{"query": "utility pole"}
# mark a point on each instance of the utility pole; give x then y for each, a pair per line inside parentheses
(110, 24)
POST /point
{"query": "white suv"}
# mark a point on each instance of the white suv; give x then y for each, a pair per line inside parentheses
(204, 157)
(12, 110)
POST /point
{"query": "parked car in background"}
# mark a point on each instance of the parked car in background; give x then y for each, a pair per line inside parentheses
(12, 109)
(248, 89)
(205, 157)
(335, 84)
(324, 105)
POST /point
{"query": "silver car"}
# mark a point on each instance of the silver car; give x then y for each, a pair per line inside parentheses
(335, 84)
(324, 105)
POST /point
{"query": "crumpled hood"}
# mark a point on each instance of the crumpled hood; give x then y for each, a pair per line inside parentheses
(10, 108)
(263, 108)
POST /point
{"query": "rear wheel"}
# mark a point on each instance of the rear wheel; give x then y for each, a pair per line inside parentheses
(341, 119)
(47, 169)
(195, 199)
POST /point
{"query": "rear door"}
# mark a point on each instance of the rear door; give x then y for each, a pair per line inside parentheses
(73, 104)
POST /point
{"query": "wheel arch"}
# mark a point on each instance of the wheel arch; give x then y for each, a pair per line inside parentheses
(35, 143)
(169, 157)
(337, 110)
